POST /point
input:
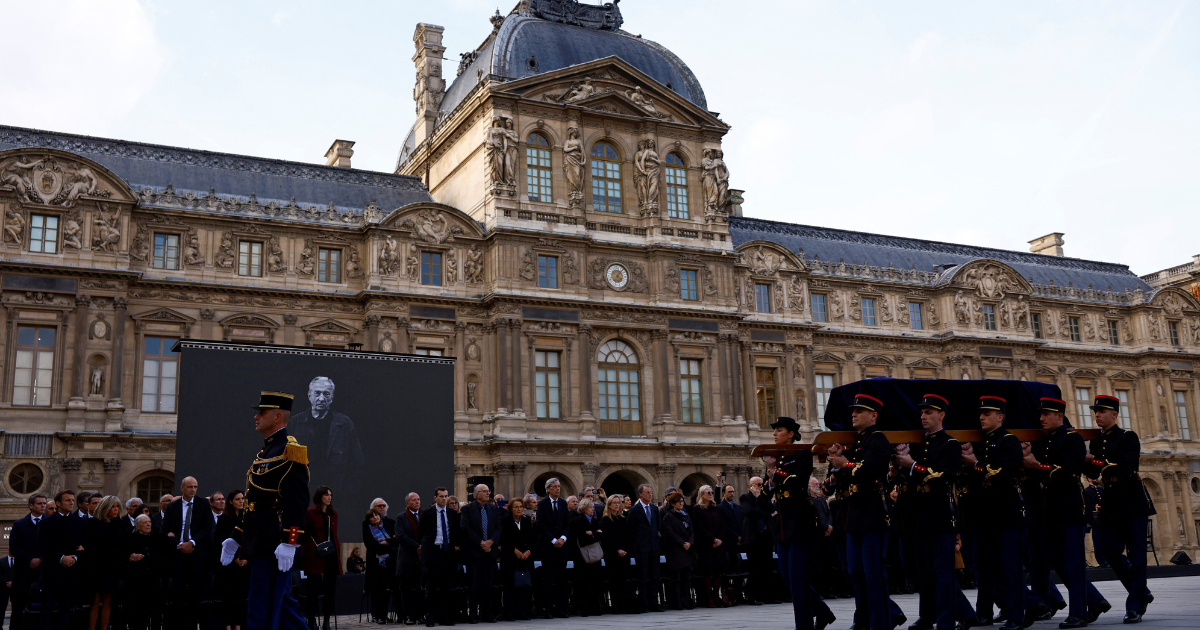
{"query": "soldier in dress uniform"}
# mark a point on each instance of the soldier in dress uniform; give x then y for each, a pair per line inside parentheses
(1002, 515)
(1056, 462)
(270, 529)
(931, 469)
(864, 473)
(794, 525)
(1114, 459)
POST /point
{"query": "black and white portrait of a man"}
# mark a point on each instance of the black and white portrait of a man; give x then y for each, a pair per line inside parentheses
(335, 453)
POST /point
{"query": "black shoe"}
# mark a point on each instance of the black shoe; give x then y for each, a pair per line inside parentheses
(898, 621)
(982, 621)
(963, 625)
(824, 620)
(1039, 613)
(921, 624)
(1146, 604)
(1132, 617)
(657, 609)
(1095, 611)
(1012, 625)
(1001, 616)
(429, 624)
(1073, 622)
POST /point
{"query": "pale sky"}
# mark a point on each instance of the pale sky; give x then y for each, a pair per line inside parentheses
(971, 122)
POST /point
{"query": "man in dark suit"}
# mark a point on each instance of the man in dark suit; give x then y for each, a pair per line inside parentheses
(408, 564)
(187, 534)
(756, 540)
(23, 547)
(552, 515)
(644, 523)
(60, 542)
(480, 522)
(438, 530)
(156, 517)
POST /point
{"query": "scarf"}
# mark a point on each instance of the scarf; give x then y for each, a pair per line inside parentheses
(381, 537)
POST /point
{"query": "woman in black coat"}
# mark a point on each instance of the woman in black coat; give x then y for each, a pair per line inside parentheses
(586, 530)
(140, 580)
(677, 541)
(233, 582)
(616, 552)
(102, 547)
(517, 541)
(709, 526)
(381, 564)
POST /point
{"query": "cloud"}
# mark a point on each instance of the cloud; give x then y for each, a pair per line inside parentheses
(81, 66)
(919, 46)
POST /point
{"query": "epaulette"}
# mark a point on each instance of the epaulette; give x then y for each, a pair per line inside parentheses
(1005, 435)
(294, 452)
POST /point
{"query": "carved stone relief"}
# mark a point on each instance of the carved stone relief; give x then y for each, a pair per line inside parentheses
(275, 262)
(647, 171)
(962, 309)
(14, 225)
(354, 265)
(73, 231)
(529, 265)
(430, 226)
(412, 264)
(191, 248)
(46, 181)
(716, 184)
(308, 262)
(225, 254)
(570, 273)
(989, 281)
(106, 235)
(451, 269)
(618, 275)
(389, 256)
(501, 147)
(473, 267)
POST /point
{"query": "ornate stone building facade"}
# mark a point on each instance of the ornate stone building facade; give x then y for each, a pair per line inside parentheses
(561, 221)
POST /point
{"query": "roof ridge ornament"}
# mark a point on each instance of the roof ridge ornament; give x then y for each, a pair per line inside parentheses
(606, 17)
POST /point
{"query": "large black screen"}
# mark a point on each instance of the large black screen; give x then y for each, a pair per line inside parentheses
(375, 424)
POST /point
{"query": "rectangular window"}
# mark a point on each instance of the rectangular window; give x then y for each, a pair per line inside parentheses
(548, 272)
(687, 285)
(677, 195)
(868, 306)
(166, 251)
(914, 316)
(762, 299)
(818, 308)
(1073, 328)
(691, 407)
(1173, 328)
(537, 173)
(764, 379)
(329, 265)
(989, 317)
(428, 352)
(1083, 407)
(1123, 396)
(1035, 319)
(620, 397)
(250, 259)
(1181, 412)
(824, 384)
(34, 372)
(606, 186)
(431, 268)
(1113, 337)
(546, 385)
(43, 233)
(160, 371)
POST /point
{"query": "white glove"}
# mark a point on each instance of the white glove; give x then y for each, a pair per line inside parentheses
(228, 549)
(285, 554)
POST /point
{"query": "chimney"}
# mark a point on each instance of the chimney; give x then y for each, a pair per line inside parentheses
(1048, 245)
(430, 87)
(339, 153)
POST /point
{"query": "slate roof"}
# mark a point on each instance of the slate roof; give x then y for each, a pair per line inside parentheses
(156, 166)
(878, 250)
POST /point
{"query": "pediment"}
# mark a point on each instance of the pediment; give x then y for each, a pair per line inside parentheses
(766, 258)
(49, 177)
(990, 279)
(1085, 372)
(825, 357)
(923, 363)
(329, 325)
(247, 319)
(163, 315)
(432, 222)
(1123, 376)
(876, 360)
(1046, 371)
(1174, 301)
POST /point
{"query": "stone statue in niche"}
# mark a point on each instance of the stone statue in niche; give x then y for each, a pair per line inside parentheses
(800, 410)
(497, 153)
(1005, 315)
(97, 381)
(934, 319)
(1021, 313)
(512, 143)
(471, 397)
(14, 225)
(962, 310)
(573, 164)
(412, 264)
(225, 256)
(473, 267)
(275, 258)
(191, 251)
(387, 344)
(641, 100)
(72, 232)
(529, 265)
(108, 232)
(389, 258)
(716, 183)
(451, 268)
(308, 264)
(647, 169)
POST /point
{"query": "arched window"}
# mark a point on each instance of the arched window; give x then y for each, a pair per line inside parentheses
(149, 489)
(677, 194)
(606, 178)
(537, 168)
(620, 389)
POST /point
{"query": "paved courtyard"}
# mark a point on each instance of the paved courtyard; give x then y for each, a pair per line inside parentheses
(1176, 605)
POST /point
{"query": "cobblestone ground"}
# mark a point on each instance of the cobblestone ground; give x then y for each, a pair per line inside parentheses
(1176, 605)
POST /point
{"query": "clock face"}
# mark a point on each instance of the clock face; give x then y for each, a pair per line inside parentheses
(617, 275)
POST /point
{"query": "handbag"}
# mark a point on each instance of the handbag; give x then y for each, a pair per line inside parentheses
(522, 579)
(592, 553)
(325, 549)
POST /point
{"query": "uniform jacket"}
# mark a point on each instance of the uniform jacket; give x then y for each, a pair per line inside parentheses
(928, 496)
(1062, 455)
(276, 497)
(473, 532)
(866, 508)
(999, 468)
(1124, 496)
(644, 530)
(408, 539)
(427, 531)
(795, 518)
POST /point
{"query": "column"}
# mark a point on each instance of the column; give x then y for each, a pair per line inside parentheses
(588, 471)
(663, 376)
(723, 371)
(585, 373)
(402, 332)
(460, 483)
(71, 469)
(750, 407)
(810, 385)
(1189, 526)
(112, 469)
(501, 367)
(503, 479)
(371, 330)
(460, 372)
(80, 375)
(515, 370)
(565, 381)
(518, 471)
(116, 403)
(665, 477)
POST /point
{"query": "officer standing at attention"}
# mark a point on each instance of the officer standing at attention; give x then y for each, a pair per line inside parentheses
(865, 472)
(998, 540)
(794, 523)
(276, 499)
(1114, 459)
(931, 469)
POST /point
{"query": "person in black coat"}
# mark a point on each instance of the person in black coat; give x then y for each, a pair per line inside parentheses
(103, 544)
(678, 536)
(481, 522)
(408, 562)
(6, 582)
(440, 536)
(587, 529)
(644, 527)
(23, 547)
(60, 544)
(552, 517)
(187, 531)
(617, 552)
(756, 540)
(232, 582)
(518, 539)
(139, 591)
(380, 563)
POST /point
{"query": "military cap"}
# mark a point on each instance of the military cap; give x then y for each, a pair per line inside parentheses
(274, 400)
(870, 403)
(992, 403)
(1053, 404)
(1106, 403)
(933, 401)
(783, 422)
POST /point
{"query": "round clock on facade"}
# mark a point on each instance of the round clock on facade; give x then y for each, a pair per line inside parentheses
(617, 275)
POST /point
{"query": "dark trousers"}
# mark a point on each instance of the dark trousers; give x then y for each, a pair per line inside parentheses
(998, 558)
(60, 593)
(758, 554)
(412, 602)
(679, 589)
(482, 575)
(646, 570)
(438, 573)
(518, 600)
(190, 585)
(1125, 550)
(587, 588)
(319, 593)
(1036, 556)
(616, 570)
(20, 599)
(554, 580)
(942, 602)
(271, 605)
(140, 598)
(865, 553)
(793, 566)
(1098, 544)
